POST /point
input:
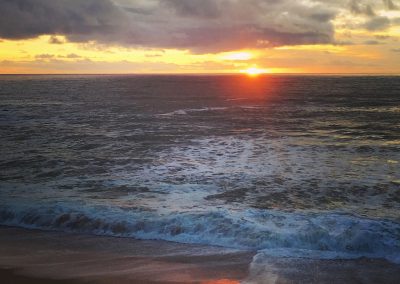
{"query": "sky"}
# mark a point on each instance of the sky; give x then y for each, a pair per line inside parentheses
(199, 36)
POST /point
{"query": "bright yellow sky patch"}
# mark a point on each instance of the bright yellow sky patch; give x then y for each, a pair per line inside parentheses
(237, 56)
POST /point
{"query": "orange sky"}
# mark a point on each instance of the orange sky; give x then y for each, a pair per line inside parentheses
(361, 42)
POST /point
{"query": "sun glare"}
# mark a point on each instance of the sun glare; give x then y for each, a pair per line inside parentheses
(254, 71)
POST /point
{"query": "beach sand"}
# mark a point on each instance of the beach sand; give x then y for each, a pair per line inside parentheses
(33, 256)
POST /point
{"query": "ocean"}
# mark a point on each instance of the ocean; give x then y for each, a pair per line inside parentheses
(286, 166)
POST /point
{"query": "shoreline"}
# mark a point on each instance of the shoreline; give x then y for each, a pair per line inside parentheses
(35, 256)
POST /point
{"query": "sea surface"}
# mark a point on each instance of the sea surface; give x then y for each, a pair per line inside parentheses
(287, 166)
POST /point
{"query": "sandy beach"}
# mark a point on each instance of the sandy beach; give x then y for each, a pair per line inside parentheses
(32, 256)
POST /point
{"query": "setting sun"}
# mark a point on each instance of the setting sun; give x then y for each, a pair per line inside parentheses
(254, 71)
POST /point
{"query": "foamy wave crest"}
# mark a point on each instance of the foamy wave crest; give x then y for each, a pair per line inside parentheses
(269, 232)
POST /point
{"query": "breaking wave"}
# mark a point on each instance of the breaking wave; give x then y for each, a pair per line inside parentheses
(269, 232)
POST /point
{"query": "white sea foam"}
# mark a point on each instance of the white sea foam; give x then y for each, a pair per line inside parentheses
(270, 232)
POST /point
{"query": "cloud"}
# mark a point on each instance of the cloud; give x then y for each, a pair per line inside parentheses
(86, 66)
(382, 37)
(55, 40)
(29, 18)
(200, 26)
(44, 56)
(390, 5)
(372, 42)
(73, 56)
(357, 7)
(203, 9)
(377, 23)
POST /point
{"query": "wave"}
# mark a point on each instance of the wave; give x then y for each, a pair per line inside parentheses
(269, 232)
(189, 110)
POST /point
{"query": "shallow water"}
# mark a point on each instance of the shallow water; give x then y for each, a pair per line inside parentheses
(285, 165)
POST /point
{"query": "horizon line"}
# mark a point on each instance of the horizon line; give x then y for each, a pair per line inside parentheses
(198, 74)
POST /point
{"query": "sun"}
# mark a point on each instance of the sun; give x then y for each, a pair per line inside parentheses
(254, 71)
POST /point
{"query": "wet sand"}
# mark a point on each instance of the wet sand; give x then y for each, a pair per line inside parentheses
(32, 256)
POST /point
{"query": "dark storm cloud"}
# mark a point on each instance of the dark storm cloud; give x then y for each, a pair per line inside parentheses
(30, 18)
(198, 25)
(202, 9)
(255, 23)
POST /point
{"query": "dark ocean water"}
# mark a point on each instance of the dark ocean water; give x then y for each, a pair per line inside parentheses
(286, 165)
